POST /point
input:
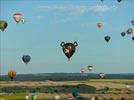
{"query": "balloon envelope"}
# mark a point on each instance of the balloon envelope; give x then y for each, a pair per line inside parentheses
(102, 75)
(123, 34)
(75, 93)
(26, 58)
(18, 17)
(119, 0)
(3, 25)
(11, 74)
(133, 38)
(99, 25)
(132, 22)
(90, 68)
(82, 70)
(129, 31)
(107, 38)
(69, 48)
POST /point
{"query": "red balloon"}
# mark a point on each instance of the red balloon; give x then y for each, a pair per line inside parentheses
(99, 25)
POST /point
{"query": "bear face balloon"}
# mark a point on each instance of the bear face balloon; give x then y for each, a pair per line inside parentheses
(69, 48)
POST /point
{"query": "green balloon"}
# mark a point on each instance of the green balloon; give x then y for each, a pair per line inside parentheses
(3, 25)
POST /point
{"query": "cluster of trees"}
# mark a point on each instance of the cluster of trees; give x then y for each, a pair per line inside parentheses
(82, 88)
(65, 76)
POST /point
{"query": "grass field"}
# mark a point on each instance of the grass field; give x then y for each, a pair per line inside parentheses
(117, 89)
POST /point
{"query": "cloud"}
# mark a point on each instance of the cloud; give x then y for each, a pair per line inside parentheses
(39, 17)
(77, 9)
(99, 8)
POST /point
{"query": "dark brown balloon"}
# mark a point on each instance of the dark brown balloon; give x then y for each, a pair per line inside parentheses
(12, 74)
(69, 48)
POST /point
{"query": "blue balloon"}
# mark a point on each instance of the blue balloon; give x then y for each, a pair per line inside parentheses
(123, 34)
(119, 0)
(75, 93)
(133, 38)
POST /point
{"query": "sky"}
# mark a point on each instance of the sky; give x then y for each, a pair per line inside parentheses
(49, 22)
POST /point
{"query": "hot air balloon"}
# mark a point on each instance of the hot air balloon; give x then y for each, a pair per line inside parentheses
(101, 75)
(133, 38)
(90, 68)
(132, 22)
(56, 97)
(119, 0)
(107, 38)
(99, 25)
(129, 31)
(3, 25)
(11, 74)
(18, 17)
(75, 93)
(102, 0)
(26, 59)
(123, 34)
(82, 70)
(69, 48)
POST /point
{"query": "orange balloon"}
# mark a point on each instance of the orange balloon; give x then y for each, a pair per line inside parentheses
(11, 74)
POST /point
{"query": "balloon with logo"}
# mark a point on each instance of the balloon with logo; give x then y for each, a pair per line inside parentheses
(99, 25)
(69, 48)
(129, 31)
(123, 34)
(18, 17)
(3, 25)
(26, 59)
(107, 38)
(11, 74)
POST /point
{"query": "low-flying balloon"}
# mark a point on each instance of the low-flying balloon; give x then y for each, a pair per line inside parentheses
(56, 97)
(82, 70)
(133, 38)
(129, 31)
(75, 93)
(123, 34)
(69, 48)
(99, 25)
(18, 17)
(3, 25)
(132, 22)
(102, 75)
(86, 69)
(107, 38)
(90, 68)
(26, 59)
(11, 74)
(119, 0)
